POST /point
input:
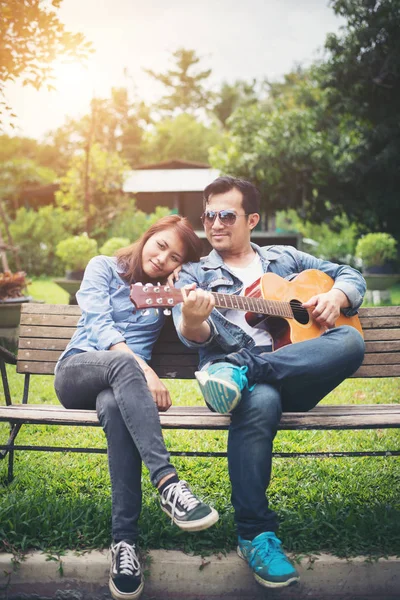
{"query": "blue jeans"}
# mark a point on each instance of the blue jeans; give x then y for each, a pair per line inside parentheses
(114, 384)
(293, 378)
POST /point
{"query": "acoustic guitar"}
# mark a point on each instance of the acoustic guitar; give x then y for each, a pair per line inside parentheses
(271, 302)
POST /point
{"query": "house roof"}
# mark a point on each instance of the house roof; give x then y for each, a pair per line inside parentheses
(40, 190)
(175, 163)
(169, 180)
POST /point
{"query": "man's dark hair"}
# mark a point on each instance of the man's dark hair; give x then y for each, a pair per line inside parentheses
(251, 195)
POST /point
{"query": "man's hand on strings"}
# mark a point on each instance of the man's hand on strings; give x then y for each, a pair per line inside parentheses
(326, 307)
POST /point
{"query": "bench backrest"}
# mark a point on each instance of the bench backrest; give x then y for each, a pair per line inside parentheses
(45, 330)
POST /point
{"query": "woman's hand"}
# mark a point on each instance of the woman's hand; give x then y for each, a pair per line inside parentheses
(158, 390)
(174, 276)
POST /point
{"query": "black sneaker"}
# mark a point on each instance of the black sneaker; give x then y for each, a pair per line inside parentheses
(126, 579)
(185, 510)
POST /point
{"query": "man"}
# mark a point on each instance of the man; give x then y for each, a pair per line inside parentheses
(239, 372)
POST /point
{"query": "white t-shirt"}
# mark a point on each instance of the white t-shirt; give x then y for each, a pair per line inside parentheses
(248, 275)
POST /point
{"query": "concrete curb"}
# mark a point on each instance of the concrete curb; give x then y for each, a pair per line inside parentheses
(174, 575)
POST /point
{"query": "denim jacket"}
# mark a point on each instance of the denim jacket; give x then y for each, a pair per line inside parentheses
(211, 274)
(108, 315)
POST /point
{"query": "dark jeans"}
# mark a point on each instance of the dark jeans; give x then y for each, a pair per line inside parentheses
(114, 384)
(294, 378)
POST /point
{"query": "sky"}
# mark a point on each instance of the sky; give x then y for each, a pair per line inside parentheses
(237, 40)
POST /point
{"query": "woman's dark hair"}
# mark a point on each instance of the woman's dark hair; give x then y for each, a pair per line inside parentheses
(250, 194)
(130, 257)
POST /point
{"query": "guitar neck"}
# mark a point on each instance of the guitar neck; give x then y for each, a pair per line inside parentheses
(255, 305)
(166, 297)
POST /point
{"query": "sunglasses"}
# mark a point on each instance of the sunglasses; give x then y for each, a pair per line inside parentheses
(226, 217)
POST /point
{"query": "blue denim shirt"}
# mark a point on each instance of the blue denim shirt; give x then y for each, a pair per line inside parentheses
(211, 274)
(108, 315)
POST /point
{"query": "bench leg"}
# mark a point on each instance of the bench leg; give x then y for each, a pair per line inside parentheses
(10, 475)
(14, 430)
(4, 378)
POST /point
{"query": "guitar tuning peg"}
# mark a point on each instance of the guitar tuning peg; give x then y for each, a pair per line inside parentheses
(146, 312)
(167, 312)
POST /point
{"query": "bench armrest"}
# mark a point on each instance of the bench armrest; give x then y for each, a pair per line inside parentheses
(7, 356)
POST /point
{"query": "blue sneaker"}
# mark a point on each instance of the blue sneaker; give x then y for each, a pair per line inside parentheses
(221, 385)
(269, 563)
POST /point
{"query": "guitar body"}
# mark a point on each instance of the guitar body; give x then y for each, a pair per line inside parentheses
(302, 327)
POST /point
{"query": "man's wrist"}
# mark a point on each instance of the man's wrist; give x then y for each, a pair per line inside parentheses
(342, 297)
(197, 333)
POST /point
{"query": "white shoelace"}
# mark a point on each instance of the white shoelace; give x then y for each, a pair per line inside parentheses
(128, 560)
(180, 493)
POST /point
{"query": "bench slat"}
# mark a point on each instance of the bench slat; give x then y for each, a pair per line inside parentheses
(382, 334)
(67, 309)
(38, 355)
(50, 320)
(171, 371)
(29, 357)
(30, 331)
(172, 347)
(383, 311)
(389, 346)
(174, 371)
(385, 358)
(323, 417)
(380, 322)
(35, 368)
(201, 409)
(378, 371)
(41, 344)
(175, 347)
(50, 309)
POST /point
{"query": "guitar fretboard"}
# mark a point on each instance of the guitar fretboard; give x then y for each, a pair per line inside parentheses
(255, 305)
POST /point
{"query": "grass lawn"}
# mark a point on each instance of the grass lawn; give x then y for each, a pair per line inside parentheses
(346, 506)
(46, 290)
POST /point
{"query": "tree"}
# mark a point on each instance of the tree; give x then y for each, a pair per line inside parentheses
(362, 78)
(37, 234)
(232, 96)
(182, 137)
(115, 124)
(31, 36)
(328, 140)
(281, 146)
(94, 190)
(17, 147)
(185, 89)
(16, 175)
(336, 241)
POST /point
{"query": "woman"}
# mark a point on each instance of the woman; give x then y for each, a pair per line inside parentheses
(105, 367)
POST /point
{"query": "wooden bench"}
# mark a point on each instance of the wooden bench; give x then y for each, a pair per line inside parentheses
(46, 329)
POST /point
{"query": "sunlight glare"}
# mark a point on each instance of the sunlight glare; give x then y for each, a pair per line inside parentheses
(67, 74)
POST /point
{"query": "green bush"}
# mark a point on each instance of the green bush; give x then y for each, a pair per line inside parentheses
(75, 252)
(37, 233)
(114, 244)
(375, 249)
(132, 223)
(336, 241)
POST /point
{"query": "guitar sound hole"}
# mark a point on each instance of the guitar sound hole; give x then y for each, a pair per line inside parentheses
(300, 314)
